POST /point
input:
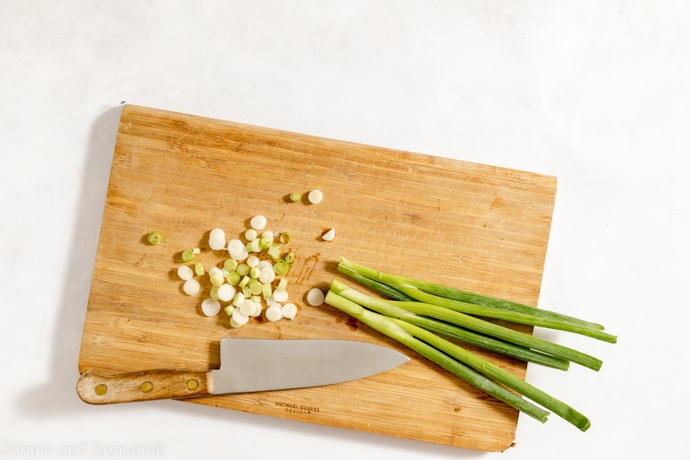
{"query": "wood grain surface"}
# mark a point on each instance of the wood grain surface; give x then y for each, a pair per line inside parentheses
(476, 227)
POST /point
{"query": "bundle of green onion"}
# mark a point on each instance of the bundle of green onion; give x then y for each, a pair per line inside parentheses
(423, 316)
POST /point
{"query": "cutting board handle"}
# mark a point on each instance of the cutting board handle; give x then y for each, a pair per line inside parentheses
(95, 387)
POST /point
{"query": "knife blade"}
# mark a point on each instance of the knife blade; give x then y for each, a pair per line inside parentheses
(247, 365)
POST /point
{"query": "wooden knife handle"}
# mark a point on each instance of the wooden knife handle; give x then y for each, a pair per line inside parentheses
(94, 387)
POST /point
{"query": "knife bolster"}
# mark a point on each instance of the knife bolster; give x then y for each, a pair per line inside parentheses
(94, 387)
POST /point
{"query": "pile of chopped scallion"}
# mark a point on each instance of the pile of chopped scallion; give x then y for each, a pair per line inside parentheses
(430, 319)
(253, 276)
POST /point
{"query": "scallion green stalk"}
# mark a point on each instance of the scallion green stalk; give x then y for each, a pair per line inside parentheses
(373, 284)
(506, 315)
(498, 374)
(451, 330)
(489, 343)
(463, 296)
(469, 322)
(389, 328)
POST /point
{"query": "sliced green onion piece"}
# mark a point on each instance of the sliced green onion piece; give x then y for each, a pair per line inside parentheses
(238, 319)
(265, 241)
(187, 255)
(184, 272)
(281, 267)
(199, 269)
(258, 222)
(315, 297)
(295, 197)
(267, 290)
(226, 292)
(244, 281)
(282, 284)
(210, 307)
(315, 196)
(230, 264)
(274, 313)
(213, 293)
(329, 235)
(155, 237)
(255, 287)
(235, 248)
(267, 275)
(263, 264)
(280, 296)
(248, 307)
(284, 237)
(289, 310)
(253, 246)
(289, 258)
(242, 269)
(238, 299)
(228, 310)
(191, 287)
(254, 272)
(216, 239)
(233, 278)
(217, 279)
(274, 252)
(250, 234)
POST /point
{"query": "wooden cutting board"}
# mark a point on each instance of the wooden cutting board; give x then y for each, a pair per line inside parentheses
(477, 227)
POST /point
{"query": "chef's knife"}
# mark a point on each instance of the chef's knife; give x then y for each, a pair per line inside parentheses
(247, 365)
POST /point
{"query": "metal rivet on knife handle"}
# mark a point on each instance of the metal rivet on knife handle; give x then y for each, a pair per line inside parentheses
(146, 387)
(100, 389)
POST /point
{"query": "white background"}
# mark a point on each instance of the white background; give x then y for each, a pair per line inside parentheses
(596, 93)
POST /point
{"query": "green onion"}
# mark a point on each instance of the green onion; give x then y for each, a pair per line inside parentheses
(393, 330)
(255, 287)
(187, 255)
(501, 375)
(462, 296)
(281, 267)
(274, 252)
(265, 241)
(233, 278)
(469, 322)
(242, 269)
(315, 196)
(373, 284)
(295, 197)
(490, 343)
(230, 264)
(282, 284)
(154, 238)
(329, 235)
(267, 290)
(427, 312)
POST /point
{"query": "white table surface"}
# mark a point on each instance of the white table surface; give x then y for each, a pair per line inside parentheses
(596, 93)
